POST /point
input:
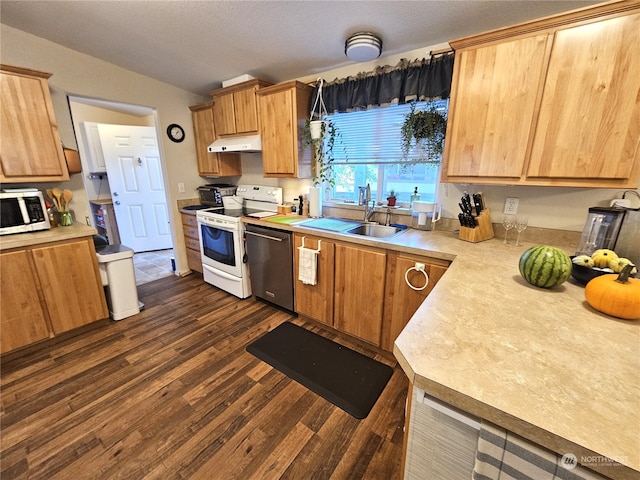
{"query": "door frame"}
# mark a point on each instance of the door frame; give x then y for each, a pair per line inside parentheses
(104, 111)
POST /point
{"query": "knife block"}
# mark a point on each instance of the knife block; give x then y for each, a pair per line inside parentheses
(483, 230)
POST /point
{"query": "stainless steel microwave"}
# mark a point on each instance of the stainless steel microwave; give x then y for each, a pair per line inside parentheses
(22, 211)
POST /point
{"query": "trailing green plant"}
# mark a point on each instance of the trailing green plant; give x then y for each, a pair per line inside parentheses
(322, 150)
(423, 132)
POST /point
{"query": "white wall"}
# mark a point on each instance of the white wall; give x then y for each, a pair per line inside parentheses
(75, 73)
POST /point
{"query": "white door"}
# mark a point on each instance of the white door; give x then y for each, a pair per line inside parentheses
(137, 186)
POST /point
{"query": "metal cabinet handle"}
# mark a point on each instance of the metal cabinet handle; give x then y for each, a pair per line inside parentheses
(268, 237)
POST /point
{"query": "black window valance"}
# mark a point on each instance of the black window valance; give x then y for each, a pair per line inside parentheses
(429, 78)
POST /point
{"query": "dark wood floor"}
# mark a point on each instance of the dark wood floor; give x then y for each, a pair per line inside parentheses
(171, 393)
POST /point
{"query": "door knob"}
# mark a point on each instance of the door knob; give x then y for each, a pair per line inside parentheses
(115, 194)
(117, 202)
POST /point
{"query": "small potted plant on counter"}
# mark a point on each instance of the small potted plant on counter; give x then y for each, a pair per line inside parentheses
(391, 199)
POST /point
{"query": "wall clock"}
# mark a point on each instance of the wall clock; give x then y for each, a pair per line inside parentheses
(175, 133)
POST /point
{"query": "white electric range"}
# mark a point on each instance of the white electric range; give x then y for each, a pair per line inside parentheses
(221, 232)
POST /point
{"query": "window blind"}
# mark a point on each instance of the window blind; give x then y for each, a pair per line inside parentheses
(374, 135)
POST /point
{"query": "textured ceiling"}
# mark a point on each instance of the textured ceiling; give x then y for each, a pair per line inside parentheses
(195, 45)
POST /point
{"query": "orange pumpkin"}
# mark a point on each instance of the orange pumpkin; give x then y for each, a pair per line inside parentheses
(615, 295)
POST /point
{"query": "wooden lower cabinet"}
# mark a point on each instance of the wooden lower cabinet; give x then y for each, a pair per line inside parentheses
(316, 301)
(362, 290)
(49, 289)
(192, 241)
(71, 284)
(22, 319)
(359, 291)
(401, 301)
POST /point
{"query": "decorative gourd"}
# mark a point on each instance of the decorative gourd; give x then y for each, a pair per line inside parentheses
(545, 266)
(617, 264)
(584, 260)
(615, 295)
(602, 257)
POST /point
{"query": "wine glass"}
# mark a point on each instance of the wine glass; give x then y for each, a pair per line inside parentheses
(508, 222)
(521, 225)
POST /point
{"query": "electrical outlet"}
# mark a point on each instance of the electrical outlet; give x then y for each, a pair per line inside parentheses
(511, 206)
(181, 187)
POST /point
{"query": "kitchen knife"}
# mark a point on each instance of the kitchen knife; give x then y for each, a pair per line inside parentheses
(477, 201)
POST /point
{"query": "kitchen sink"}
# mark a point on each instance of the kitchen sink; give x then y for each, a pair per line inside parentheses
(374, 230)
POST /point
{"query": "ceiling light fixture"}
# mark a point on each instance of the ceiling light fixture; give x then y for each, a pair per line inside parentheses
(363, 47)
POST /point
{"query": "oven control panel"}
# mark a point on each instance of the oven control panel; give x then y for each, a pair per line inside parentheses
(261, 193)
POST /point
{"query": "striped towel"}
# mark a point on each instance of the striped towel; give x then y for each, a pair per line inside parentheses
(307, 265)
(503, 456)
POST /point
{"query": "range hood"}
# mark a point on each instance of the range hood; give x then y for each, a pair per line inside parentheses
(250, 143)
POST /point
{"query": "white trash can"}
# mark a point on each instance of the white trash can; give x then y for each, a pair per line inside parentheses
(119, 280)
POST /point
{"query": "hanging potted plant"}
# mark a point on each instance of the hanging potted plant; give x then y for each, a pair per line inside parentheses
(320, 134)
(423, 132)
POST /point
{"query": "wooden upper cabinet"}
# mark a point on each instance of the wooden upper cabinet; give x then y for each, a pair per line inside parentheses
(235, 108)
(549, 102)
(589, 122)
(497, 86)
(30, 147)
(211, 164)
(284, 109)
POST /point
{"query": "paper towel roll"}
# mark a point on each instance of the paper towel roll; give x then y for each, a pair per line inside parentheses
(315, 202)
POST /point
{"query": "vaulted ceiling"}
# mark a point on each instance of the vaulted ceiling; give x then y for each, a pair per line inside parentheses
(195, 45)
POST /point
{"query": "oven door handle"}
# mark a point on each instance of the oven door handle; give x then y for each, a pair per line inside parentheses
(268, 237)
(226, 228)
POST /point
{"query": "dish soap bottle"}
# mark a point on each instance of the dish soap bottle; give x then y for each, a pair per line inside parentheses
(415, 197)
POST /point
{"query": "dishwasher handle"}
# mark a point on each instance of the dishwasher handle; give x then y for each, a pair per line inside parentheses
(268, 237)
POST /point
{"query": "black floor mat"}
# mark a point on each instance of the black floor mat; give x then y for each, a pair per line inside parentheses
(346, 378)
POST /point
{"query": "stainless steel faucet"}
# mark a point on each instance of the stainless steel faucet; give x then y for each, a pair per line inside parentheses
(368, 211)
(387, 220)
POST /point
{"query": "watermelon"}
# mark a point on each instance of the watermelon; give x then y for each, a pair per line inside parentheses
(545, 266)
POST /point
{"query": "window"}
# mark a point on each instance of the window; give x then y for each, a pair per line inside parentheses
(369, 150)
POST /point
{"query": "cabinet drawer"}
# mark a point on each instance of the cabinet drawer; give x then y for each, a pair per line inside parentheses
(190, 220)
(191, 232)
(194, 260)
(192, 243)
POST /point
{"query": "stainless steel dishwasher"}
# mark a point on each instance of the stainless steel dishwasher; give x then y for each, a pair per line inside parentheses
(270, 253)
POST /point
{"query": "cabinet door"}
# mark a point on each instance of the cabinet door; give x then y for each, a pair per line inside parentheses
(359, 291)
(589, 122)
(246, 111)
(30, 147)
(223, 114)
(495, 93)
(315, 301)
(71, 284)
(284, 109)
(401, 300)
(22, 317)
(278, 141)
(211, 164)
